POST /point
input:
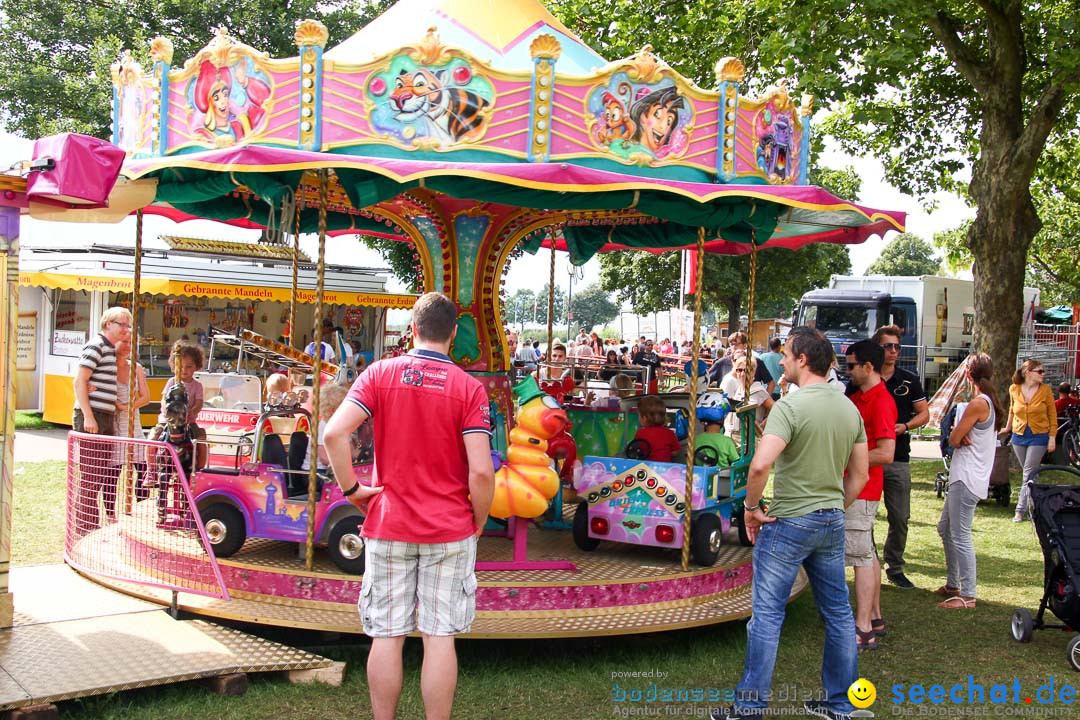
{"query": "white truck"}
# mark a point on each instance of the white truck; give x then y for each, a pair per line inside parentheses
(934, 313)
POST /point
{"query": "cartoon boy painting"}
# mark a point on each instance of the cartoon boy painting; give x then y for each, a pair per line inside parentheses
(655, 115)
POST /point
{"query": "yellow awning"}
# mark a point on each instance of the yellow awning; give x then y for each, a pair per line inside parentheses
(165, 286)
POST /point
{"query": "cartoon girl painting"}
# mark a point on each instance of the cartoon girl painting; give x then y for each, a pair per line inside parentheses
(655, 115)
(215, 93)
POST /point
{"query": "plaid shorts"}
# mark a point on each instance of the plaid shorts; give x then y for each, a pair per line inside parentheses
(410, 586)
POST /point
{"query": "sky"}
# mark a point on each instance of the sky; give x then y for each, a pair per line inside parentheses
(876, 193)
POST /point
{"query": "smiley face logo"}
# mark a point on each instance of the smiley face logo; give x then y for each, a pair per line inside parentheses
(862, 693)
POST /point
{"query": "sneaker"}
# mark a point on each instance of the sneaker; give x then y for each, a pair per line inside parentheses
(899, 579)
(818, 708)
(1018, 518)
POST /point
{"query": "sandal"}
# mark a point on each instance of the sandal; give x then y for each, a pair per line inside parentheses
(865, 640)
(958, 603)
(947, 591)
(878, 626)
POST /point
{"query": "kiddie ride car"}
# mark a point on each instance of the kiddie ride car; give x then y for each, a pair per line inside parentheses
(637, 501)
(266, 496)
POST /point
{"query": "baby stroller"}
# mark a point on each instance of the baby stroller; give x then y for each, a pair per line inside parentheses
(1000, 490)
(1056, 512)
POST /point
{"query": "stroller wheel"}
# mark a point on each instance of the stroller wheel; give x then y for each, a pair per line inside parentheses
(1072, 651)
(939, 484)
(1023, 627)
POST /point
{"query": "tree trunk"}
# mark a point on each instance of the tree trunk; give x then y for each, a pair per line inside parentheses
(733, 304)
(999, 240)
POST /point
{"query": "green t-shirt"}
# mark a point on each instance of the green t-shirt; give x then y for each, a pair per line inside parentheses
(722, 444)
(820, 426)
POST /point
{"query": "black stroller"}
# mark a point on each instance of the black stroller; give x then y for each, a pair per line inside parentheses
(1000, 490)
(1056, 512)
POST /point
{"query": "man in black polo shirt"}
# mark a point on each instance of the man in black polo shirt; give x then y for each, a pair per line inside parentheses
(647, 357)
(912, 411)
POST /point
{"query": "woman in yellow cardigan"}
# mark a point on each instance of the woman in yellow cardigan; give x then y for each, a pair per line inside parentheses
(1033, 421)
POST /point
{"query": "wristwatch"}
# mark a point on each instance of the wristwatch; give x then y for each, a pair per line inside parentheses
(351, 491)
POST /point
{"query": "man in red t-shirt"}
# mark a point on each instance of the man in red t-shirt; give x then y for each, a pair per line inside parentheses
(1066, 397)
(433, 484)
(878, 410)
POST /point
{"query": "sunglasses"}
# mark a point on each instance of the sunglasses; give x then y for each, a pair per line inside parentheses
(891, 346)
(1039, 370)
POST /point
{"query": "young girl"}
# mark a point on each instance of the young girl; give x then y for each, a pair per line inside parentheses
(652, 414)
(185, 360)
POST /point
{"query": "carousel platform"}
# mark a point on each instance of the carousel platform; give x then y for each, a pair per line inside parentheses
(617, 589)
(74, 638)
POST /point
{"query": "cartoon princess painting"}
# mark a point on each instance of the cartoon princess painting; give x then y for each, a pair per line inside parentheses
(655, 115)
(230, 100)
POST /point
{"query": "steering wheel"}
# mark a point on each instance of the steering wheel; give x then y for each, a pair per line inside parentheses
(706, 455)
(638, 449)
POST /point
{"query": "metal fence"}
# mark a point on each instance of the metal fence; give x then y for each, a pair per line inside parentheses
(1055, 346)
(130, 516)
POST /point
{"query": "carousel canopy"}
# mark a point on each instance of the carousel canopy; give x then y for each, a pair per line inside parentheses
(493, 104)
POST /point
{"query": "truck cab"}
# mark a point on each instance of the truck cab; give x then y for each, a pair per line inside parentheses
(847, 316)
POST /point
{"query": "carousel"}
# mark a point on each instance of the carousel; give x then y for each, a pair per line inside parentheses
(474, 134)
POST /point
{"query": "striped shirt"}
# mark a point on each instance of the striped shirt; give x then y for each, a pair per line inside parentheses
(100, 356)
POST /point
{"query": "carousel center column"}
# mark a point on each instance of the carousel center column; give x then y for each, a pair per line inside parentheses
(9, 312)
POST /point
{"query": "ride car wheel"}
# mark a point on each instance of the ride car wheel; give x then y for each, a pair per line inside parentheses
(1023, 627)
(581, 529)
(706, 537)
(224, 529)
(345, 545)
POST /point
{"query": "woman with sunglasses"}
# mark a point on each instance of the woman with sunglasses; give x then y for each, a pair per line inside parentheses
(1033, 421)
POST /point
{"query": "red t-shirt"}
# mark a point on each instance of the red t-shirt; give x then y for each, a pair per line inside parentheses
(1063, 402)
(878, 410)
(663, 442)
(422, 405)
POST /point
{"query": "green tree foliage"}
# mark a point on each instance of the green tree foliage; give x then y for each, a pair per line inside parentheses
(650, 282)
(907, 254)
(929, 87)
(592, 306)
(521, 307)
(56, 55)
(559, 313)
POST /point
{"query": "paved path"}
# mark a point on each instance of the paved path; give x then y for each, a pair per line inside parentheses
(39, 445)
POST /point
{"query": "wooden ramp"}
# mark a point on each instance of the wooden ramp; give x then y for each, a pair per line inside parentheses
(74, 638)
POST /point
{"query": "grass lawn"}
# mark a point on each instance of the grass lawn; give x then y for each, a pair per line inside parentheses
(500, 680)
(31, 421)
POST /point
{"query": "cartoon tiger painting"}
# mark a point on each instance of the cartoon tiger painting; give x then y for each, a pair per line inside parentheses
(450, 114)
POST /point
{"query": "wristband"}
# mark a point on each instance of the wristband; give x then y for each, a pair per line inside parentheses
(351, 491)
(751, 508)
(906, 428)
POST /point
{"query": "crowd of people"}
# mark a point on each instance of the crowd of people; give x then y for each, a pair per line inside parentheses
(836, 452)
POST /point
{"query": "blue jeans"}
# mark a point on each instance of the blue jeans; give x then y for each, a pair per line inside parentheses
(815, 542)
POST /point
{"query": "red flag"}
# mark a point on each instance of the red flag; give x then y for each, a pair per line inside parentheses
(693, 271)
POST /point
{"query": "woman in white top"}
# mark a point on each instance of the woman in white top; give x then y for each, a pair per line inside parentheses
(974, 437)
(734, 384)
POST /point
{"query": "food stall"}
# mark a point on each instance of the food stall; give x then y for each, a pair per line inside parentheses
(65, 291)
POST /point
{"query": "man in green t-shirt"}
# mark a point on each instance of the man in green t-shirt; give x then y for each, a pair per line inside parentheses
(812, 437)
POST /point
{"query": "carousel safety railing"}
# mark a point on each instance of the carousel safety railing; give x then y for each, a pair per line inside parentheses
(130, 516)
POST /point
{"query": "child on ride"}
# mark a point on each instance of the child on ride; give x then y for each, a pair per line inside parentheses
(652, 415)
(714, 437)
(185, 360)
